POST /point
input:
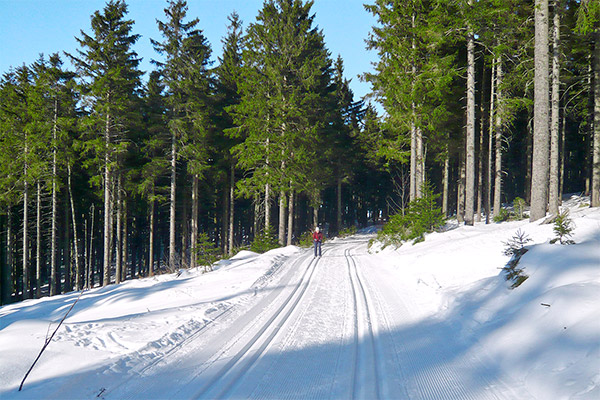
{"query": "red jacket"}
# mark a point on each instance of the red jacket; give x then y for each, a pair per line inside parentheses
(317, 236)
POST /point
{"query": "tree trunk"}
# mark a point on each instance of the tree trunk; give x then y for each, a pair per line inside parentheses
(151, 238)
(194, 222)
(339, 203)
(124, 260)
(67, 287)
(413, 162)
(38, 246)
(555, 122)
(107, 206)
(414, 190)
(498, 131)
(460, 192)
(445, 179)
(290, 224)
(488, 186)
(119, 223)
(595, 198)
(54, 278)
(420, 167)
(267, 207)
(231, 210)
(282, 215)
(78, 269)
(172, 202)
(7, 267)
(25, 287)
(540, 164)
(90, 277)
(470, 134)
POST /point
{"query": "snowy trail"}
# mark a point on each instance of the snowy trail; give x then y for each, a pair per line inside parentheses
(338, 326)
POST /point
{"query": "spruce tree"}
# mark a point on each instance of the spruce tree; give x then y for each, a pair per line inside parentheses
(110, 80)
(285, 86)
(186, 78)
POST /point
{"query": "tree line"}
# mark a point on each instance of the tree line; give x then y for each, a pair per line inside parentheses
(491, 100)
(110, 174)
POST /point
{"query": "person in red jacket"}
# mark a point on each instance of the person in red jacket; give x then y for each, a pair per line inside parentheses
(317, 239)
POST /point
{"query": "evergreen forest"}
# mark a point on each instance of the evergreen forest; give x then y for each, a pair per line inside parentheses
(110, 173)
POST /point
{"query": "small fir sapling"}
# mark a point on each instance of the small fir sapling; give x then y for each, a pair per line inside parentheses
(207, 252)
(515, 247)
(563, 228)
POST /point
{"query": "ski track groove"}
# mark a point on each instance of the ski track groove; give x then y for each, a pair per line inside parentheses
(263, 336)
(360, 378)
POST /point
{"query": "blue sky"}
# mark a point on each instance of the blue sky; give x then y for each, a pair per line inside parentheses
(31, 27)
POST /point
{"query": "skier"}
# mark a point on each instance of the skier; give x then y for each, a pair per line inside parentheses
(317, 239)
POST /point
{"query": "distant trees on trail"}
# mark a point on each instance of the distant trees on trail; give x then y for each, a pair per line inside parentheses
(108, 173)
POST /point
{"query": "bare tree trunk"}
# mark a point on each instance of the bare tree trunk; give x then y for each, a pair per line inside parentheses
(151, 238)
(90, 276)
(461, 192)
(107, 206)
(67, 287)
(488, 192)
(267, 207)
(194, 235)
(185, 229)
(124, 260)
(420, 160)
(595, 198)
(9, 268)
(290, 224)
(339, 203)
(119, 222)
(541, 134)
(54, 278)
(413, 135)
(470, 134)
(282, 215)
(25, 287)
(445, 179)
(38, 246)
(555, 123)
(78, 269)
(413, 162)
(498, 130)
(172, 260)
(231, 210)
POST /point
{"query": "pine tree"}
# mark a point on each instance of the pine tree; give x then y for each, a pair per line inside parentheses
(110, 79)
(185, 76)
(228, 92)
(285, 86)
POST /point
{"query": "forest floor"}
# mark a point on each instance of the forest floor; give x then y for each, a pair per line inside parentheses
(434, 320)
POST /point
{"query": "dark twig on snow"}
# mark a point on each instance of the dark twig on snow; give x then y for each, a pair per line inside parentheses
(49, 340)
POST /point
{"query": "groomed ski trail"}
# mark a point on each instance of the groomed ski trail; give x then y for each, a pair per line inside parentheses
(338, 326)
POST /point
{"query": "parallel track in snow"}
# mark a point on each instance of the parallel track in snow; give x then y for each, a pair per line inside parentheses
(226, 379)
(366, 376)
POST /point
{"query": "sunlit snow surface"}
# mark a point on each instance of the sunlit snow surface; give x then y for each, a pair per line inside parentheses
(431, 321)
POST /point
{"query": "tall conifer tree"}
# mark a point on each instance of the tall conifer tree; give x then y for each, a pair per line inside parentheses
(110, 81)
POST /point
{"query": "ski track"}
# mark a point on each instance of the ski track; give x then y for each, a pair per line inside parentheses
(336, 322)
(366, 379)
(238, 365)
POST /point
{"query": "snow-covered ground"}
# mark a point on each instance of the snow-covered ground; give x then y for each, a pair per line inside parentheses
(435, 320)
